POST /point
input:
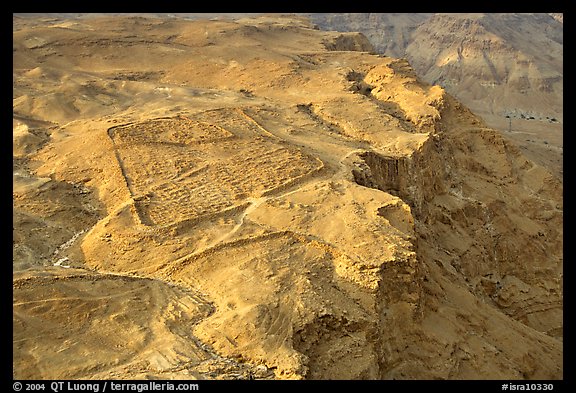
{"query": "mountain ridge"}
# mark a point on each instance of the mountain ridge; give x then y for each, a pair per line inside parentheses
(507, 68)
(261, 199)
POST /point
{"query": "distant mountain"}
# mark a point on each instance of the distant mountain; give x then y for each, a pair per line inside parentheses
(498, 64)
(390, 33)
(508, 68)
(493, 62)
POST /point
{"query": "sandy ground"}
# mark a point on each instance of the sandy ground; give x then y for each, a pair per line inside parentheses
(260, 199)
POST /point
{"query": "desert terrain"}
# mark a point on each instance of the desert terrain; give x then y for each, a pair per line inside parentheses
(260, 199)
(505, 67)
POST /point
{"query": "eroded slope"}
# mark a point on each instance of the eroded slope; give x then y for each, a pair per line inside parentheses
(259, 199)
(506, 67)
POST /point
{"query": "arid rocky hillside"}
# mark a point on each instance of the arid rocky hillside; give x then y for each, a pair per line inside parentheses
(390, 33)
(507, 68)
(260, 199)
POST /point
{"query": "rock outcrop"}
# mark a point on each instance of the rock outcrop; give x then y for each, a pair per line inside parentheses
(261, 199)
(507, 68)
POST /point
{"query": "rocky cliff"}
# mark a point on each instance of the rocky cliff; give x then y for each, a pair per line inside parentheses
(261, 199)
(507, 68)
